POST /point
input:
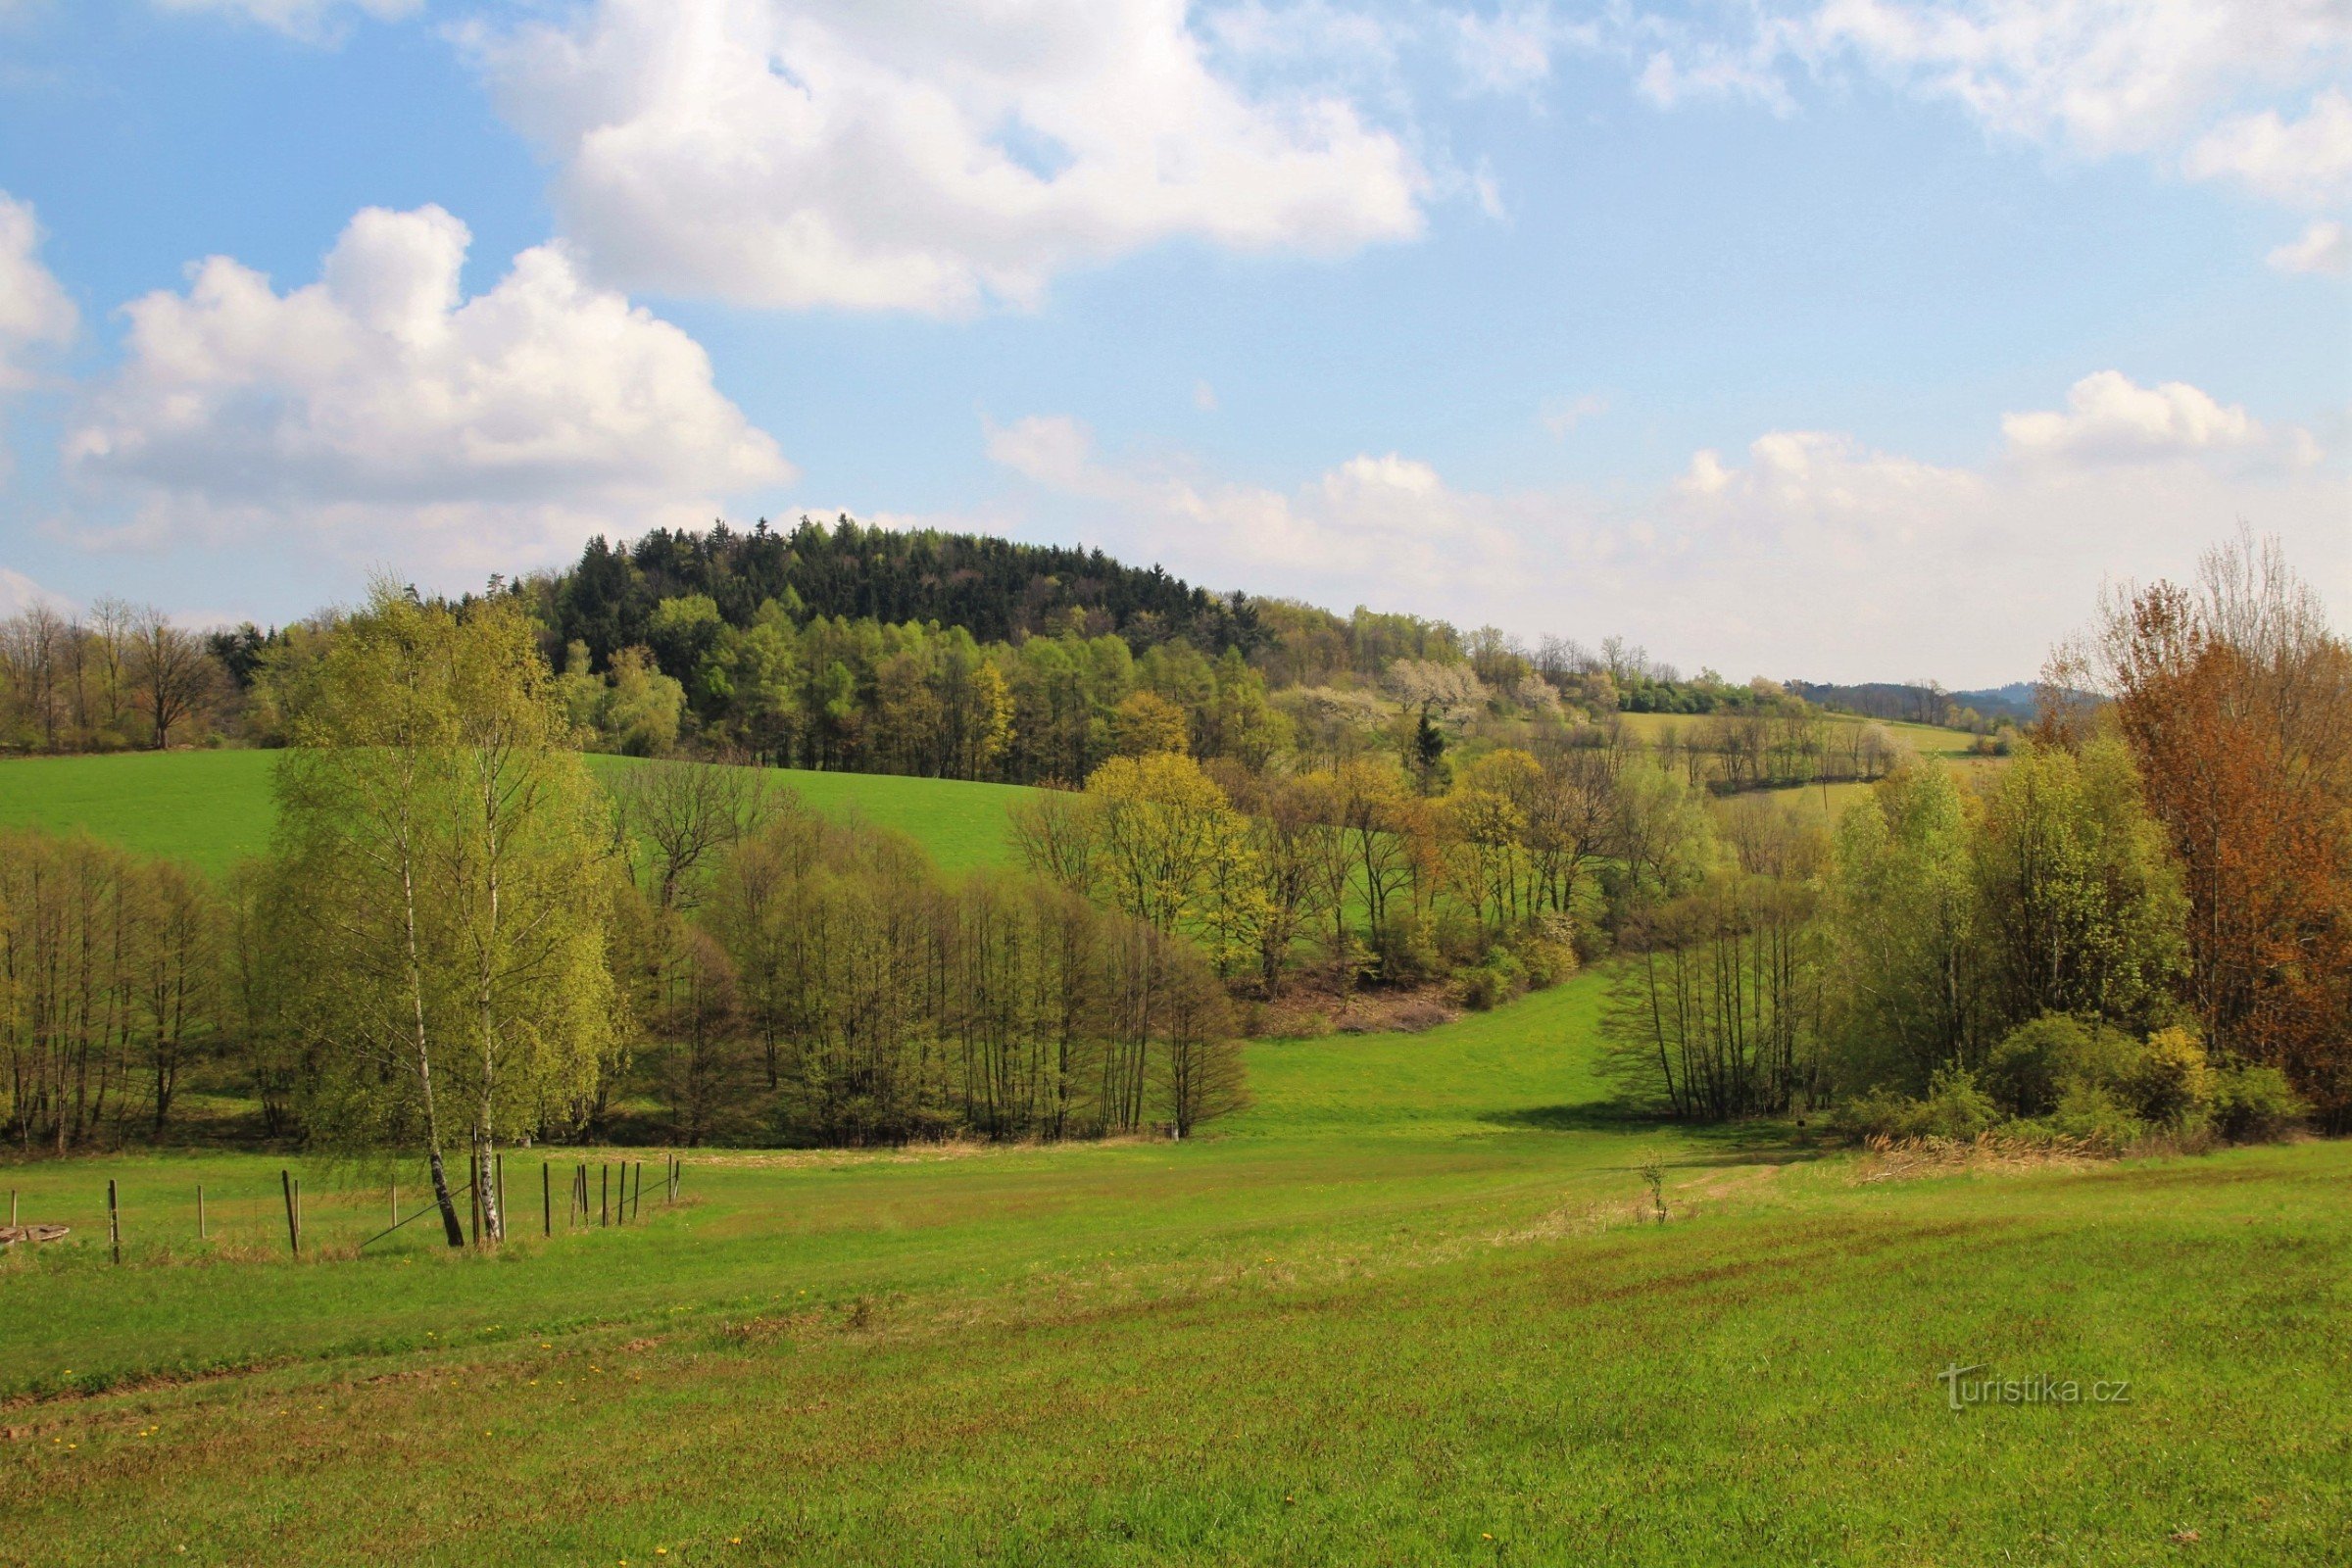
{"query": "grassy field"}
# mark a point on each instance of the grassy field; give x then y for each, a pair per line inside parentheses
(1927, 740)
(1399, 1311)
(213, 808)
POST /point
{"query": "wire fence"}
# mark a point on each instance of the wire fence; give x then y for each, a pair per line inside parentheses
(139, 1216)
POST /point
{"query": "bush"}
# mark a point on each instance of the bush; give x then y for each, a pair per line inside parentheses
(2170, 1084)
(2036, 1063)
(1403, 953)
(2089, 1115)
(1479, 989)
(1955, 1107)
(1547, 953)
(1880, 1113)
(2254, 1104)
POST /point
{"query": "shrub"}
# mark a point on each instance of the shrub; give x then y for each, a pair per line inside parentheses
(1880, 1113)
(2254, 1104)
(2170, 1084)
(1955, 1107)
(1403, 952)
(2036, 1062)
(1497, 980)
(1548, 952)
(2089, 1115)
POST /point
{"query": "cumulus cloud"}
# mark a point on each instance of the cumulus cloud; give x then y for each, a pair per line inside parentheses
(35, 310)
(2325, 247)
(2110, 417)
(316, 21)
(911, 155)
(378, 403)
(1810, 553)
(2301, 163)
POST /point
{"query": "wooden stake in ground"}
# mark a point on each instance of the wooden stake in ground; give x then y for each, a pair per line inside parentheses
(113, 1220)
(285, 1182)
(200, 1236)
(547, 1200)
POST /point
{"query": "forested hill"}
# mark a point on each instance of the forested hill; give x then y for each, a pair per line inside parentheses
(994, 588)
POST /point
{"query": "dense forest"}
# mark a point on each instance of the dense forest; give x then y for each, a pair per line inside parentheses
(871, 651)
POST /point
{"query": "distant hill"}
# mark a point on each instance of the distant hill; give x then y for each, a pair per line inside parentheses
(2016, 701)
(1913, 704)
(994, 588)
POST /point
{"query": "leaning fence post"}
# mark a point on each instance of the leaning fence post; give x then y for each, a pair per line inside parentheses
(113, 1219)
(285, 1182)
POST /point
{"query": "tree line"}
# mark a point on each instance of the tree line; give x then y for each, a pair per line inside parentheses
(459, 940)
(2143, 921)
(865, 650)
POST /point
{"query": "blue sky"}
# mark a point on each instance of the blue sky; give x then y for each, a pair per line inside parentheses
(1833, 338)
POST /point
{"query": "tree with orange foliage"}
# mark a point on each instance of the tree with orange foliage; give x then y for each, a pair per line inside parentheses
(2236, 698)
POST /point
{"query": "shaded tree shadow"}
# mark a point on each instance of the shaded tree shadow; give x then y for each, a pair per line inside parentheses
(1738, 1142)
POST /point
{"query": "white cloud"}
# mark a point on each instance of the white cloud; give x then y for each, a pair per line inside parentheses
(2325, 247)
(35, 311)
(915, 155)
(2197, 84)
(2110, 417)
(1808, 554)
(2098, 75)
(1560, 416)
(317, 20)
(1511, 51)
(378, 404)
(2301, 163)
(1052, 449)
(19, 592)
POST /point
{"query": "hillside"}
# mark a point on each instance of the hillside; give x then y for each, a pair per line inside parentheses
(1405, 1309)
(213, 809)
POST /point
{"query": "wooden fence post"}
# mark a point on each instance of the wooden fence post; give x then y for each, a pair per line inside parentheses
(113, 1219)
(547, 1200)
(200, 1233)
(285, 1182)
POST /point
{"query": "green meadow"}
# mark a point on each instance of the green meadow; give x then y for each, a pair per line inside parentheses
(213, 807)
(1409, 1308)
